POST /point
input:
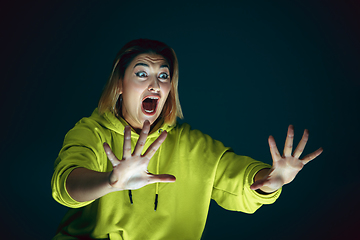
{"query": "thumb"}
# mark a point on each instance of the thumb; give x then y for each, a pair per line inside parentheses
(161, 178)
(113, 159)
(258, 184)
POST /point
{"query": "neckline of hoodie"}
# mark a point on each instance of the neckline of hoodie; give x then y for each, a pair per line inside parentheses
(120, 123)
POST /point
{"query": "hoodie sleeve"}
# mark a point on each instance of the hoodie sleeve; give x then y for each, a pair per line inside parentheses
(82, 147)
(233, 178)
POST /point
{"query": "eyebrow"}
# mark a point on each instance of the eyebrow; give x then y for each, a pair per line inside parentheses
(145, 65)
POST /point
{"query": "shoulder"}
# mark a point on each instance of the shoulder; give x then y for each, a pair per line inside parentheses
(194, 137)
(185, 130)
(89, 129)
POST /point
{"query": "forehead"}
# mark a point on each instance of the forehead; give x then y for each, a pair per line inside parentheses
(149, 58)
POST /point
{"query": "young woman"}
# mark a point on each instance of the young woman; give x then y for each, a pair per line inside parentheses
(129, 171)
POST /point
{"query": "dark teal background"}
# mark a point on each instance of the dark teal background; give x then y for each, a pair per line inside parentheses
(247, 70)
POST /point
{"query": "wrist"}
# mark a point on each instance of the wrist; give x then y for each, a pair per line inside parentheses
(263, 173)
(266, 190)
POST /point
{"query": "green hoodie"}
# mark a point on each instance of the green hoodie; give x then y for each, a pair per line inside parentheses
(203, 167)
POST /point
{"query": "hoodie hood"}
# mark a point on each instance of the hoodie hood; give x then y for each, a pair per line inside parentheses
(109, 121)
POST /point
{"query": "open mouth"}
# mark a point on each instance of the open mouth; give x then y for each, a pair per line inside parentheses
(149, 105)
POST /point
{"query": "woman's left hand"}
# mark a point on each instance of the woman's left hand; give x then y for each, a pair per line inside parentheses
(285, 167)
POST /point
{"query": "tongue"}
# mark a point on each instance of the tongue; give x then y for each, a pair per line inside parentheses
(149, 104)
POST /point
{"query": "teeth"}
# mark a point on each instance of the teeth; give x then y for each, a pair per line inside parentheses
(153, 97)
(149, 111)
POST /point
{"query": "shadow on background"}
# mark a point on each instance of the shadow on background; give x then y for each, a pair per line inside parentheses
(247, 70)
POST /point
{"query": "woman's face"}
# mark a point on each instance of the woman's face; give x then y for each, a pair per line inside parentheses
(145, 88)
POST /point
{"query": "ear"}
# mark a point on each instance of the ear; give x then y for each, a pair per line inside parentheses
(119, 87)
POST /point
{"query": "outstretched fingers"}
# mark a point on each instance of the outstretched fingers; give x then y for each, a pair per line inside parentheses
(155, 146)
(142, 138)
(161, 178)
(113, 159)
(273, 149)
(289, 141)
(127, 142)
(258, 184)
(301, 146)
(312, 156)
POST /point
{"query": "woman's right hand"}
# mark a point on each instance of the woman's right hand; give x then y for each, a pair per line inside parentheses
(131, 172)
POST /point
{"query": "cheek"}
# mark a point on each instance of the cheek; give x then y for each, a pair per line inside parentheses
(132, 90)
(166, 89)
(131, 97)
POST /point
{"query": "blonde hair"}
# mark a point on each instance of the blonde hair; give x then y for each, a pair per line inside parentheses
(111, 99)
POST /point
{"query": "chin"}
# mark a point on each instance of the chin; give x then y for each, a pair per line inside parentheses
(151, 119)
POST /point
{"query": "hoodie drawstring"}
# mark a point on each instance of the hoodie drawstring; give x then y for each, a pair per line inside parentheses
(157, 172)
(156, 184)
(130, 197)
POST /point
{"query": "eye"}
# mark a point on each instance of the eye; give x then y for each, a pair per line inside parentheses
(141, 74)
(164, 76)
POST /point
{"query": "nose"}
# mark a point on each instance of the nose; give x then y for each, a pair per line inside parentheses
(154, 85)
